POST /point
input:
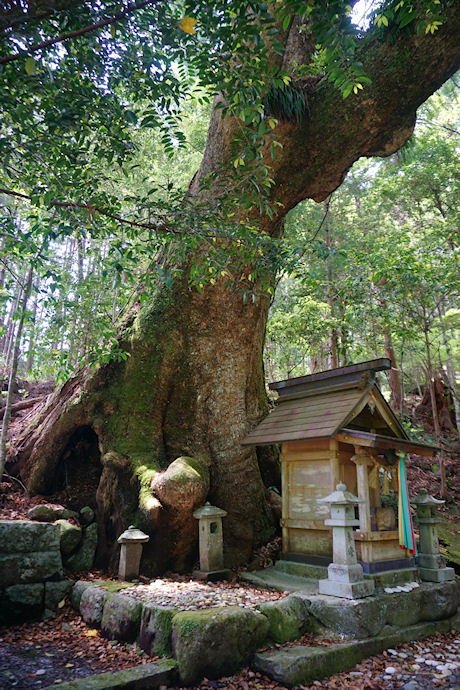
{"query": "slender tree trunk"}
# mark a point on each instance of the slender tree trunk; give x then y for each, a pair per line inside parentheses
(3, 305)
(450, 371)
(14, 368)
(434, 408)
(333, 335)
(394, 373)
(30, 356)
(343, 336)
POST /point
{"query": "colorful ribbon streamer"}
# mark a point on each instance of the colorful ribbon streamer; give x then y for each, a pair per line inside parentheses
(406, 528)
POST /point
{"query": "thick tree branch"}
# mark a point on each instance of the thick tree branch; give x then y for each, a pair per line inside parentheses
(405, 71)
(93, 209)
(22, 405)
(78, 32)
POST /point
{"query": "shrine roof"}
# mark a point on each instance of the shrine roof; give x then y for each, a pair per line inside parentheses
(320, 406)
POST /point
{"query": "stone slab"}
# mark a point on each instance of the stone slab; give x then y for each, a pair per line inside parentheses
(357, 618)
(20, 536)
(282, 582)
(346, 590)
(56, 592)
(437, 574)
(297, 665)
(153, 675)
(121, 618)
(215, 642)
(10, 569)
(212, 575)
(289, 618)
(305, 570)
(393, 578)
(92, 603)
(156, 630)
(21, 603)
(41, 566)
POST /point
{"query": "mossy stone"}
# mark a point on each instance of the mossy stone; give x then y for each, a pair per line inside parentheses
(70, 536)
(289, 618)
(56, 592)
(92, 603)
(156, 630)
(112, 586)
(161, 673)
(403, 608)
(439, 600)
(86, 515)
(83, 558)
(77, 593)
(20, 536)
(21, 603)
(121, 618)
(216, 641)
(184, 485)
(352, 618)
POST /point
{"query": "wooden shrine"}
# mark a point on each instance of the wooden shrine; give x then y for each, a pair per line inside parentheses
(336, 427)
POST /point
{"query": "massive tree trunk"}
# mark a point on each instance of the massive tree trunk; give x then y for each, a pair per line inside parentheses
(193, 384)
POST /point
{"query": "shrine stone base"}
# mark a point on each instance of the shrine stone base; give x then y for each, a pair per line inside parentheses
(433, 568)
(213, 575)
(347, 590)
(437, 574)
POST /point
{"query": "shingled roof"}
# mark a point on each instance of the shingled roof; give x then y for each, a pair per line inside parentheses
(321, 405)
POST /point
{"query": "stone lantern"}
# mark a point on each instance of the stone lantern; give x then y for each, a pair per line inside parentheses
(432, 565)
(211, 544)
(131, 551)
(345, 574)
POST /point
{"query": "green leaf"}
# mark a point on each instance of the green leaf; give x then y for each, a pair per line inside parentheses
(30, 66)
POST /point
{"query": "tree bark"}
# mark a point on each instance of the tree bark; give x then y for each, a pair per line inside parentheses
(193, 384)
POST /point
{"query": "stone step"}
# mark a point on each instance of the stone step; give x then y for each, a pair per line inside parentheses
(162, 672)
(282, 582)
(393, 578)
(305, 570)
(292, 666)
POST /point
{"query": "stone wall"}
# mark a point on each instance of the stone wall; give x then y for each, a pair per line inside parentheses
(31, 573)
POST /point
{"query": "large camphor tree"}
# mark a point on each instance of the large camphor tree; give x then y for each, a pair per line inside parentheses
(164, 424)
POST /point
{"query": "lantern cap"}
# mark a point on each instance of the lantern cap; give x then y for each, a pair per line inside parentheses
(209, 511)
(341, 497)
(423, 498)
(132, 535)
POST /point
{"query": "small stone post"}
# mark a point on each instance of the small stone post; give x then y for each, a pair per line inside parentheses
(211, 544)
(131, 551)
(345, 574)
(432, 565)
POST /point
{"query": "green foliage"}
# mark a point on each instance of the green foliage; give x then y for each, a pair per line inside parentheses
(288, 103)
(383, 260)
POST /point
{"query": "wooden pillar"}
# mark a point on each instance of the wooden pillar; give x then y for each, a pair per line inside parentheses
(335, 466)
(285, 489)
(362, 460)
